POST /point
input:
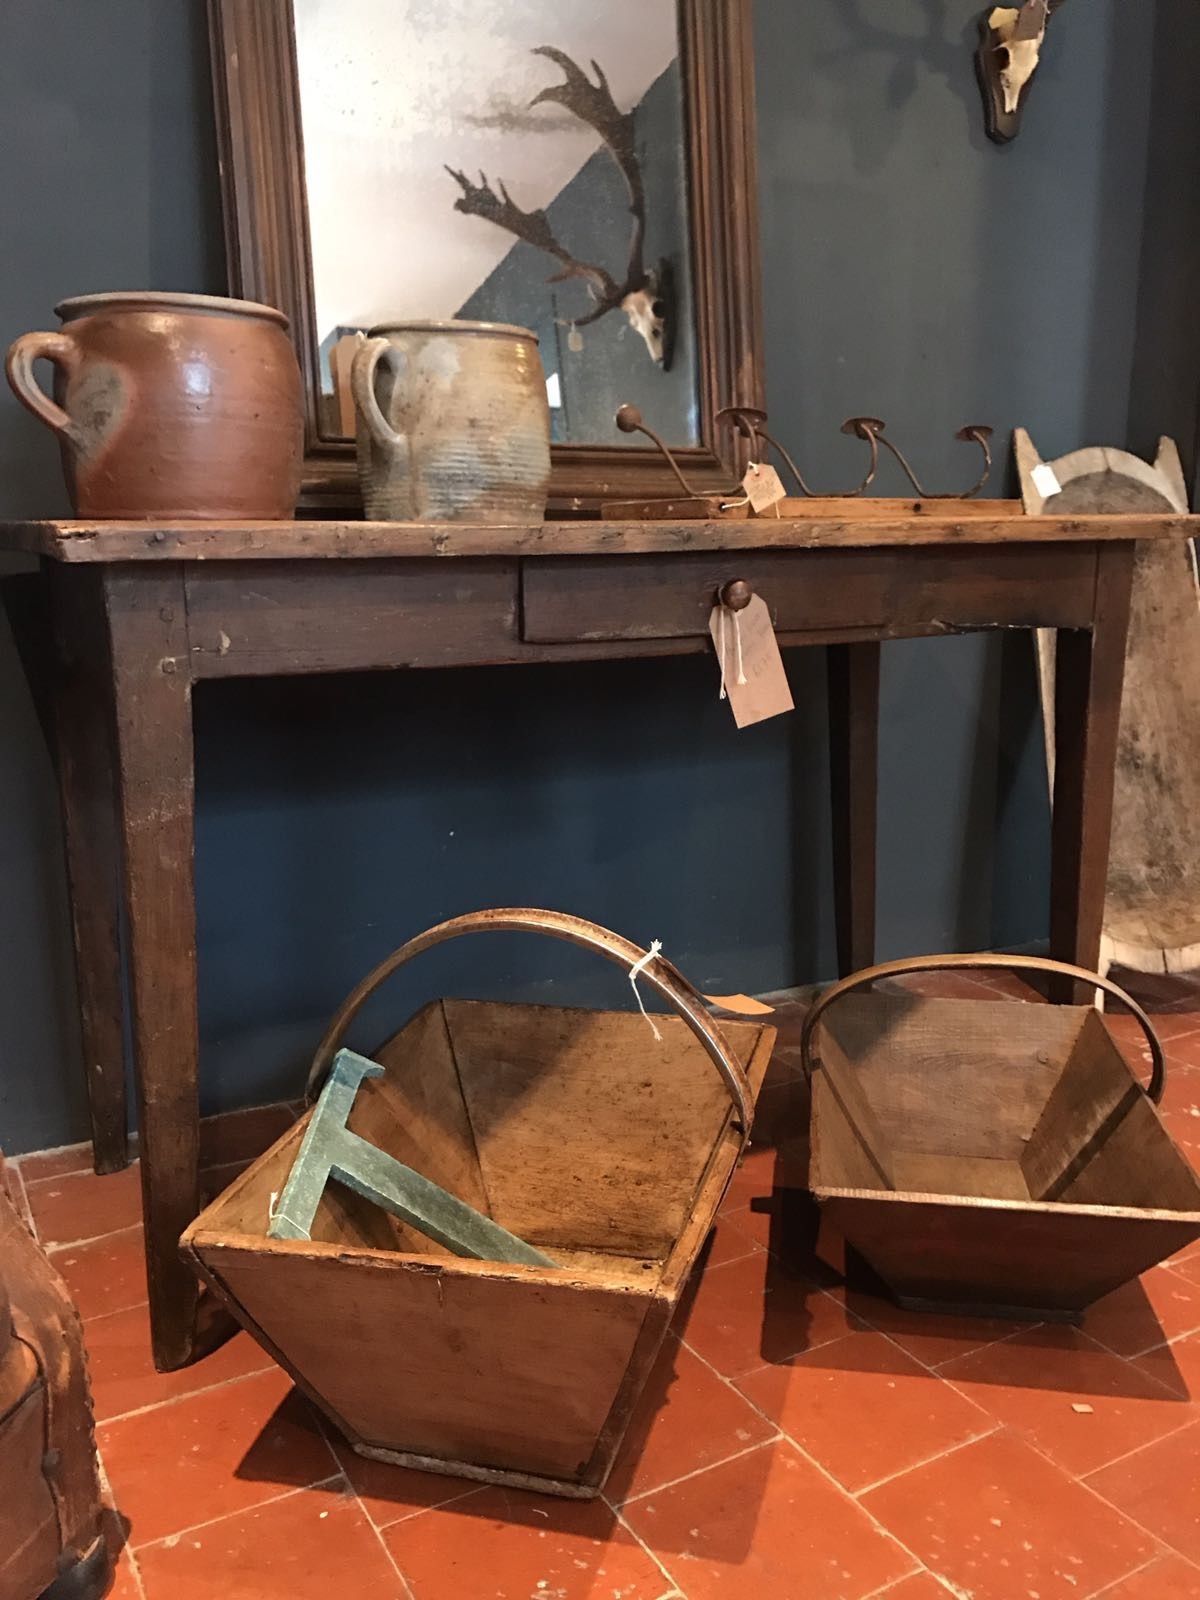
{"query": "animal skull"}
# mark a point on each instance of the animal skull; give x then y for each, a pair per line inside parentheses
(1019, 33)
(647, 313)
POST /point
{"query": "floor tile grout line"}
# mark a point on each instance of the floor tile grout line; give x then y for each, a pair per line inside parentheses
(962, 1355)
(1030, 1438)
(1103, 1349)
(686, 1477)
(1125, 1577)
(894, 1588)
(1191, 1422)
(880, 1527)
(925, 1461)
(170, 1540)
(470, 1487)
(109, 1501)
(1164, 1546)
(381, 1541)
(113, 1233)
(675, 1592)
(54, 1246)
(1152, 1349)
(178, 1399)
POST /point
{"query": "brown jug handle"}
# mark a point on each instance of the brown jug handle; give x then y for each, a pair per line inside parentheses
(367, 356)
(659, 973)
(59, 348)
(988, 963)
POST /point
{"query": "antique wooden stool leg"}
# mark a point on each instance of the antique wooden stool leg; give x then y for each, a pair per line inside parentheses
(853, 674)
(152, 678)
(87, 790)
(1089, 673)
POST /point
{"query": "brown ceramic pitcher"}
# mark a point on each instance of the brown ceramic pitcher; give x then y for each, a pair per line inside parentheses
(172, 406)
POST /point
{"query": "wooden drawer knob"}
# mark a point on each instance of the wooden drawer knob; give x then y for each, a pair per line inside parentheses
(735, 595)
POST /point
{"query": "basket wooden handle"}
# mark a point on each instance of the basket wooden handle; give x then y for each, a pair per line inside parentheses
(896, 969)
(660, 974)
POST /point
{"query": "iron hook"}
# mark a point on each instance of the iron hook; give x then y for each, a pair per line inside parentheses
(976, 433)
(750, 421)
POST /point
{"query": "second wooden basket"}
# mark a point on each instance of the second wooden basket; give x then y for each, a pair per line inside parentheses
(991, 1156)
(576, 1130)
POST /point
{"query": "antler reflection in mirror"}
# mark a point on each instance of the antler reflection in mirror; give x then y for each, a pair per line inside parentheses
(643, 296)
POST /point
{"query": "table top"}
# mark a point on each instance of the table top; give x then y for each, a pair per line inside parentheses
(820, 525)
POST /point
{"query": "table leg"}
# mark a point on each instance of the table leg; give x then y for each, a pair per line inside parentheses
(853, 672)
(83, 739)
(152, 679)
(1089, 674)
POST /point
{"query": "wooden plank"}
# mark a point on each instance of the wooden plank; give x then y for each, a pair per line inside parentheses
(459, 1364)
(964, 1078)
(848, 1146)
(355, 540)
(83, 709)
(152, 688)
(1152, 901)
(853, 694)
(417, 1113)
(959, 1175)
(280, 618)
(533, 1077)
(1091, 1097)
(1089, 671)
(888, 509)
(610, 597)
(1003, 1256)
(1135, 1163)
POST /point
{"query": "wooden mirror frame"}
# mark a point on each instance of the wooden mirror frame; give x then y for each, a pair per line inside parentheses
(267, 241)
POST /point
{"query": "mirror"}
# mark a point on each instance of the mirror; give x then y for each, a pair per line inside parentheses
(583, 168)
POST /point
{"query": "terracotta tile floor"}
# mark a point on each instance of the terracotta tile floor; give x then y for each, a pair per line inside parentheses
(800, 1439)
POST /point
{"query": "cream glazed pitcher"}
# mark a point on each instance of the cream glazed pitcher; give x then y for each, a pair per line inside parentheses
(453, 423)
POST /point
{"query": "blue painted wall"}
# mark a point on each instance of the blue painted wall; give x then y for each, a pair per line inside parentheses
(910, 269)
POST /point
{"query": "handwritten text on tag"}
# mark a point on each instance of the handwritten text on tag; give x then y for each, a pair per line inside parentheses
(752, 674)
(763, 485)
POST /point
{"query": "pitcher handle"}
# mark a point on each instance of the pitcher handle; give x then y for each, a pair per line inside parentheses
(366, 359)
(59, 348)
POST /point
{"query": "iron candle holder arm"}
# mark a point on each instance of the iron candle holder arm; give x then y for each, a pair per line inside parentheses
(750, 422)
(629, 419)
(973, 433)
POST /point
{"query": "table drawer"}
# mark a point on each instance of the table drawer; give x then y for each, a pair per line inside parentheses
(915, 588)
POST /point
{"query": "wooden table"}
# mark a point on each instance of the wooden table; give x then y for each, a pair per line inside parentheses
(142, 613)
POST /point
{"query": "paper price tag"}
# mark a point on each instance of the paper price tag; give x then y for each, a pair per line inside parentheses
(763, 485)
(1045, 481)
(742, 1005)
(751, 665)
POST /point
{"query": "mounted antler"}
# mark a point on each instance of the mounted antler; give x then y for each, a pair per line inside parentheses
(640, 294)
(1010, 48)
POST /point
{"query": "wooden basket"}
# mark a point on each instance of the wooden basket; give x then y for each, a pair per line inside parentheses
(575, 1130)
(991, 1157)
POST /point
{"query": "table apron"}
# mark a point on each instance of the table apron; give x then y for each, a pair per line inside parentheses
(282, 618)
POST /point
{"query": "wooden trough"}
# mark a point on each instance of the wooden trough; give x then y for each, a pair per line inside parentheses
(991, 1157)
(577, 1131)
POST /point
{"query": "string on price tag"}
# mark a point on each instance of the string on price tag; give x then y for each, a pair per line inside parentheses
(764, 487)
(752, 675)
